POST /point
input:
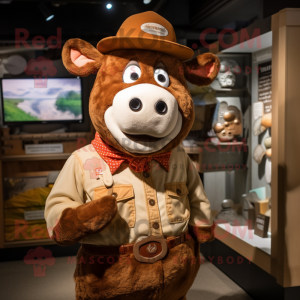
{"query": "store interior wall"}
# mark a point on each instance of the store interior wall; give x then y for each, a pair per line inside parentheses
(215, 188)
(225, 185)
(258, 170)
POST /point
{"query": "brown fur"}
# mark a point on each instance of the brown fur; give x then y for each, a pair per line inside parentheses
(199, 66)
(88, 218)
(126, 278)
(205, 234)
(87, 50)
(109, 82)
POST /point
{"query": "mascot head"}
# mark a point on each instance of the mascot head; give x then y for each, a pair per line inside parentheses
(140, 103)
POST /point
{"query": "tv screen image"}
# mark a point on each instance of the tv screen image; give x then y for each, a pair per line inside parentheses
(60, 100)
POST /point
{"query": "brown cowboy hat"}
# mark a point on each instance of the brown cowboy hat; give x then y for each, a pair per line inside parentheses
(148, 31)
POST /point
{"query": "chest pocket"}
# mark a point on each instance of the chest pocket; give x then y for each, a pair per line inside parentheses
(125, 201)
(177, 202)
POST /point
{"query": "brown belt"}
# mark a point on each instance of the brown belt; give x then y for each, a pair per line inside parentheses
(152, 242)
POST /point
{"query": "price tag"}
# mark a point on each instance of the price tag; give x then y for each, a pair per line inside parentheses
(262, 225)
(32, 215)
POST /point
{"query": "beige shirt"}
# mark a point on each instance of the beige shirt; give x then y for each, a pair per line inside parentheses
(157, 203)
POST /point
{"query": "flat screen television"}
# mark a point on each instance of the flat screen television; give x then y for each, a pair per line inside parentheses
(41, 101)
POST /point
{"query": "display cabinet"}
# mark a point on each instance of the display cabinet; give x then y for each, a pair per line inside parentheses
(267, 193)
(27, 176)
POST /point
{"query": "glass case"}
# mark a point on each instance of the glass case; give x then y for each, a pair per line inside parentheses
(234, 145)
(255, 194)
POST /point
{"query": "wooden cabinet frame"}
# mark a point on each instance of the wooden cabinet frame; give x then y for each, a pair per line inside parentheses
(285, 187)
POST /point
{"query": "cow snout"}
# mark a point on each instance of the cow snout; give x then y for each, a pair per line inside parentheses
(136, 104)
(145, 109)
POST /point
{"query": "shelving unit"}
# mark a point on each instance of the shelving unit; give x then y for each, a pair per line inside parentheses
(29, 243)
(200, 153)
(247, 244)
(32, 157)
(35, 164)
(276, 259)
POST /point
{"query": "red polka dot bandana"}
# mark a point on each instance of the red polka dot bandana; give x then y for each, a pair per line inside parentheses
(114, 158)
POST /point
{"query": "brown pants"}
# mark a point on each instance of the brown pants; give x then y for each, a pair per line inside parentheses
(117, 278)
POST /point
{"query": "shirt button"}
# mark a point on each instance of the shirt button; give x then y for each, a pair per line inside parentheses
(151, 202)
(115, 195)
(178, 191)
(155, 225)
(146, 175)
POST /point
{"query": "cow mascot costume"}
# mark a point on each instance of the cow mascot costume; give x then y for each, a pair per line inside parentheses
(133, 198)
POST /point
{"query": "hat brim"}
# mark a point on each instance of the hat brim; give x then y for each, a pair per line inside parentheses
(117, 43)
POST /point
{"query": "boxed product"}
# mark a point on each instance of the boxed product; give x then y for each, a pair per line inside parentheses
(24, 205)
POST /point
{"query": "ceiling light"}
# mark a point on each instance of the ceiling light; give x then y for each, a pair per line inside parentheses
(46, 12)
(109, 6)
(50, 17)
(147, 1)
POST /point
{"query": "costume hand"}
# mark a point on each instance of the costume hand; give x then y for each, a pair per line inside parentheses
(88, 218)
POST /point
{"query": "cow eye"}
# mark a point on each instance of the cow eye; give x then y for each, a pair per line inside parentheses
(131, 74)
(162, 77)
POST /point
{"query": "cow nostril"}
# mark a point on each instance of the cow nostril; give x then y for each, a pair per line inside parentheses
(135, 104)
(161, 107)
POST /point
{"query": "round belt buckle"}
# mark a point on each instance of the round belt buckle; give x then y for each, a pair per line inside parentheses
(150, 249)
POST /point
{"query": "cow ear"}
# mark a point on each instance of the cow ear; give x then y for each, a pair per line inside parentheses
(202, 70)
(81, 58)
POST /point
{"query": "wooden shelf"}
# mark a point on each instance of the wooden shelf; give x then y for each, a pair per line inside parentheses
(206, 170)
(229, 90)
(29, 243)
(197, 146)
(196, 149)
(216, 142)
(32, 157)
(192, 149)
(254, 254)
(202, 149)
(46, 136)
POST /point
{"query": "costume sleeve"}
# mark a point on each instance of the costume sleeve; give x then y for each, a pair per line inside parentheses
(200, 213)
(68, 218)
